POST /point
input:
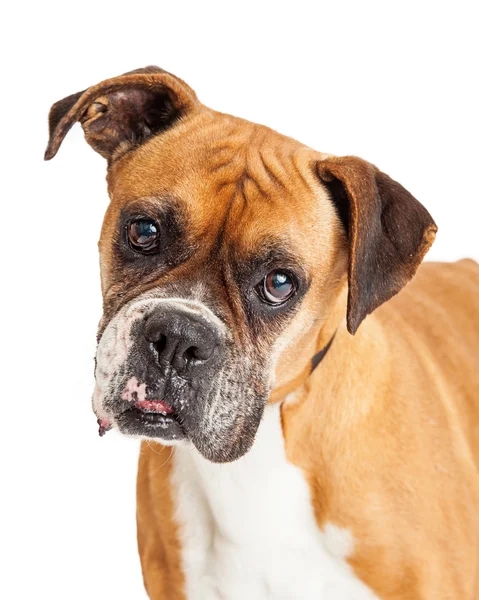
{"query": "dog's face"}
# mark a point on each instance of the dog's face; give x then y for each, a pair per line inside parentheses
(208, 276)
(225, 245)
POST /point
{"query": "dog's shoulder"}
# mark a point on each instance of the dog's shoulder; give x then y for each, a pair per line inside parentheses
(441, 293)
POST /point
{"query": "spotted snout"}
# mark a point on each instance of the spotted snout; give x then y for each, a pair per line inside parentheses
(167, 370)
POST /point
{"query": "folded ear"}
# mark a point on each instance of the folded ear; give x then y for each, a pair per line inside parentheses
(389, 232)
(121, 113)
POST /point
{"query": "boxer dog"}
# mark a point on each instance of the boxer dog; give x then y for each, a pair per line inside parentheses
(292, 448)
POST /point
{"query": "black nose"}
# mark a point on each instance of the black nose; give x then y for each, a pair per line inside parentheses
(181, 339)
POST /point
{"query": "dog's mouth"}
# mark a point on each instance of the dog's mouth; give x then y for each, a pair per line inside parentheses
(151, 418)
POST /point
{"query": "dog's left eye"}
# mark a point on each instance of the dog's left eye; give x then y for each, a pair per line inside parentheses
(143, 235)
(276, 287)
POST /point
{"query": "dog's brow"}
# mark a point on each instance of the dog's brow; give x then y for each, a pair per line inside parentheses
(153, 204)
(270, 253)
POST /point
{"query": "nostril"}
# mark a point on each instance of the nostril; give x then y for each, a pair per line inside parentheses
(196, 353)
(191, 353)
(160, 345)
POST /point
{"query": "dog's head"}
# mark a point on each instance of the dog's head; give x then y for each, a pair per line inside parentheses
(223, 249)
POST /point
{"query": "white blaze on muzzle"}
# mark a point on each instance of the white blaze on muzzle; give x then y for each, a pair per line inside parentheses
(117, 340)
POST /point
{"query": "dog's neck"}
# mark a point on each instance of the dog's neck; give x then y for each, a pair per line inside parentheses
(331, 399)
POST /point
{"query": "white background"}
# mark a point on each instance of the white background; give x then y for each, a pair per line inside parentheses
(395, 83)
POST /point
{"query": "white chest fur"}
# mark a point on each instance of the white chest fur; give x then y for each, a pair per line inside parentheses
(247, 528)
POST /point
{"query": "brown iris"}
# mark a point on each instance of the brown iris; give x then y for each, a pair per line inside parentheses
(143, 235)
(277, 287)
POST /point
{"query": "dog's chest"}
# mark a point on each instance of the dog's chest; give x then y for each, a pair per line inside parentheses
(247, 529)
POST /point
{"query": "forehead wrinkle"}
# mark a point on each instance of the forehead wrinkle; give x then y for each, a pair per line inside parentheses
(252, 156)
(252, 215)
(266, 168)
(276, 163)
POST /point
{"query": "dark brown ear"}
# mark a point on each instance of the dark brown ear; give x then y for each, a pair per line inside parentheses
(121, 113)
(389, 232)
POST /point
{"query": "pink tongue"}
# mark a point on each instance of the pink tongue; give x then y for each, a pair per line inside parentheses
(154, 406)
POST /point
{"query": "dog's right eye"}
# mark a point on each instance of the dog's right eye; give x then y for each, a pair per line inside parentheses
(143, 235)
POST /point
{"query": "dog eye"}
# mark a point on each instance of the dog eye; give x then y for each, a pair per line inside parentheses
(143, 235)
(277, 287)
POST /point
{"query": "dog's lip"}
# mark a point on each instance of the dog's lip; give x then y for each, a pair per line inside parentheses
(153, 406)
(150, 422)
(104, 425)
